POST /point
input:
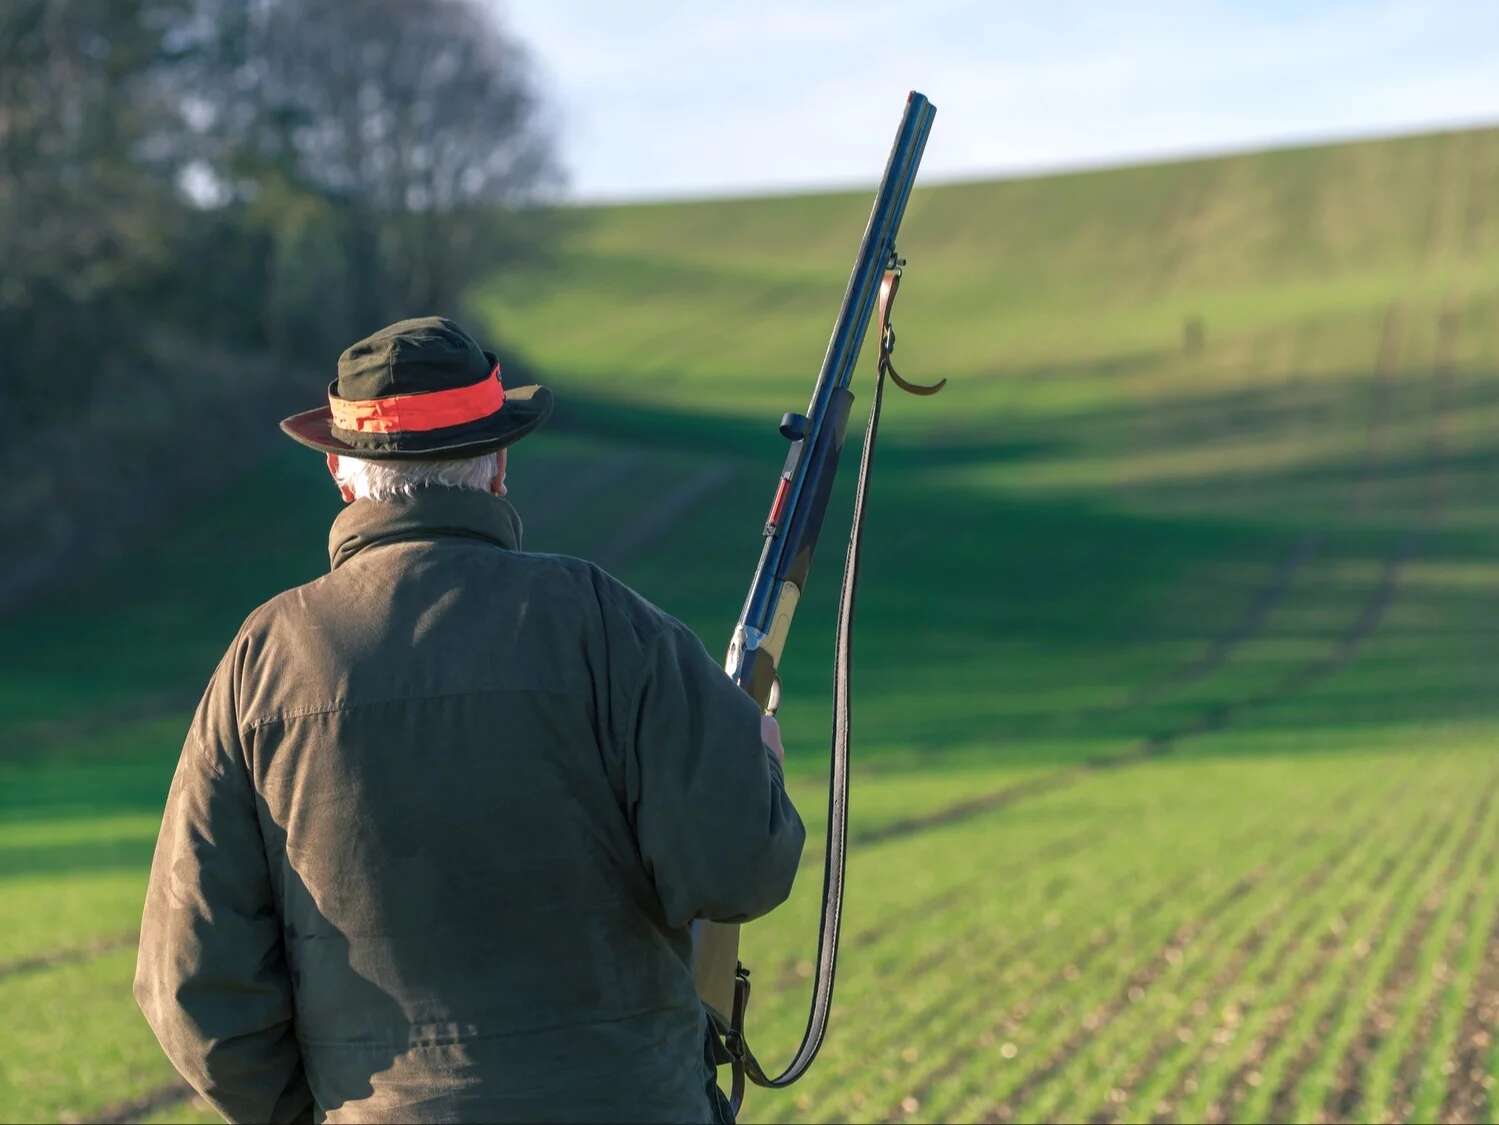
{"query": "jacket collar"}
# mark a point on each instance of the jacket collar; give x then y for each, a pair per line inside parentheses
(432, 512)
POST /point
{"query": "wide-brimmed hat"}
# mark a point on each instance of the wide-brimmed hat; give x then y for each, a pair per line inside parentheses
(421, 389)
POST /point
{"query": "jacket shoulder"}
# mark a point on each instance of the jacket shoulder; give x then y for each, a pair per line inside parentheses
(564, 577)
(262, 619)
(619, 605)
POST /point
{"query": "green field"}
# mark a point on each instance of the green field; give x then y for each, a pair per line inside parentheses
(1177, 683)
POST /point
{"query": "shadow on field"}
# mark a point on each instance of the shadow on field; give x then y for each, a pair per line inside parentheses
(991, 616)
(124, 854)
(998, 618)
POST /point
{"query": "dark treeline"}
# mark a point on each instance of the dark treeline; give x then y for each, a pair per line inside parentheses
(254, 177)
(201, 203)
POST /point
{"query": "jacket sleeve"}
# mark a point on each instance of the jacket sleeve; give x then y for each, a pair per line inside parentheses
(211, 975)
(716, 829)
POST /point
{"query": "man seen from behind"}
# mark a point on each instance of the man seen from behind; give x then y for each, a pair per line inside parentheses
(445, 815)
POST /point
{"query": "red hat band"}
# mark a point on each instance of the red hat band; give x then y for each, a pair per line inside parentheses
(431, 410)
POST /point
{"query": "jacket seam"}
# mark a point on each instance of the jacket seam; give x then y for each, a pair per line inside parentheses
(447, 1041)
(337, 708)
(205, 758)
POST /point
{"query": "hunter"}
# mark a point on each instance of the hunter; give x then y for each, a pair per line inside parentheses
(445, 815)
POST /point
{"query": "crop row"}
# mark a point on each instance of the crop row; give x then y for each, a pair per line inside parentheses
(924, 991)
(1231, 930)
(1142, 1045)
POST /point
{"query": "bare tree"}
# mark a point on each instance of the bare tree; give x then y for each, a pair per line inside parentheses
(417, 117)
(255, 173)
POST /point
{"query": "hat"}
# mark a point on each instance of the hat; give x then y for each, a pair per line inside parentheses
(421, 389)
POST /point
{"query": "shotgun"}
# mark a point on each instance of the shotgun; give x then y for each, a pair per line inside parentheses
(792, 527)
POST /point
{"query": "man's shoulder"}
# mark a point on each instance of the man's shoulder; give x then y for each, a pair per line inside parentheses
(563, 577)
(290, 602)
(618, 602)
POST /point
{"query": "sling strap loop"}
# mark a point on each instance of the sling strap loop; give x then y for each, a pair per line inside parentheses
(889, 287)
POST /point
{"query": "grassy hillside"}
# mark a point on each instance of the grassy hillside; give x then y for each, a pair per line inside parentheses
(1175, 690)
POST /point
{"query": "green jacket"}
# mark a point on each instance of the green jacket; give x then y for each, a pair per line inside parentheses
(437, 834)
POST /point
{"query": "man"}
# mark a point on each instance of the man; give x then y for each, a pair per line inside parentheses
(445, 815)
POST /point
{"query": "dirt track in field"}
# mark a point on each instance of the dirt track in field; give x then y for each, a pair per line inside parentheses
(664, 513)
(59, 957)
(122, 1113)
(1218, 717)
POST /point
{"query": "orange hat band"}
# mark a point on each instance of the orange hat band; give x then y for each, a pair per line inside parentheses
(432, 410)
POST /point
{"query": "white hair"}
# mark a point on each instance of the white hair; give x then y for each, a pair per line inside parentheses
(399, 480)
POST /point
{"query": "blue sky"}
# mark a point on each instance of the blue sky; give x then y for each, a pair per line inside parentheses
(659, 98)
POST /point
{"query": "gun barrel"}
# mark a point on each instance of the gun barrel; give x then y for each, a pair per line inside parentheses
(874, 251)
(877, 247)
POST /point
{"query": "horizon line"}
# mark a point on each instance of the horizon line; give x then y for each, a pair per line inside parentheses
(1372, 135)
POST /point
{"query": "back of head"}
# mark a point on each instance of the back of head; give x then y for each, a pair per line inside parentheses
(400, 480)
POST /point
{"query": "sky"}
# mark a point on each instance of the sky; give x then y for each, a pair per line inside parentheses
(665, 99)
